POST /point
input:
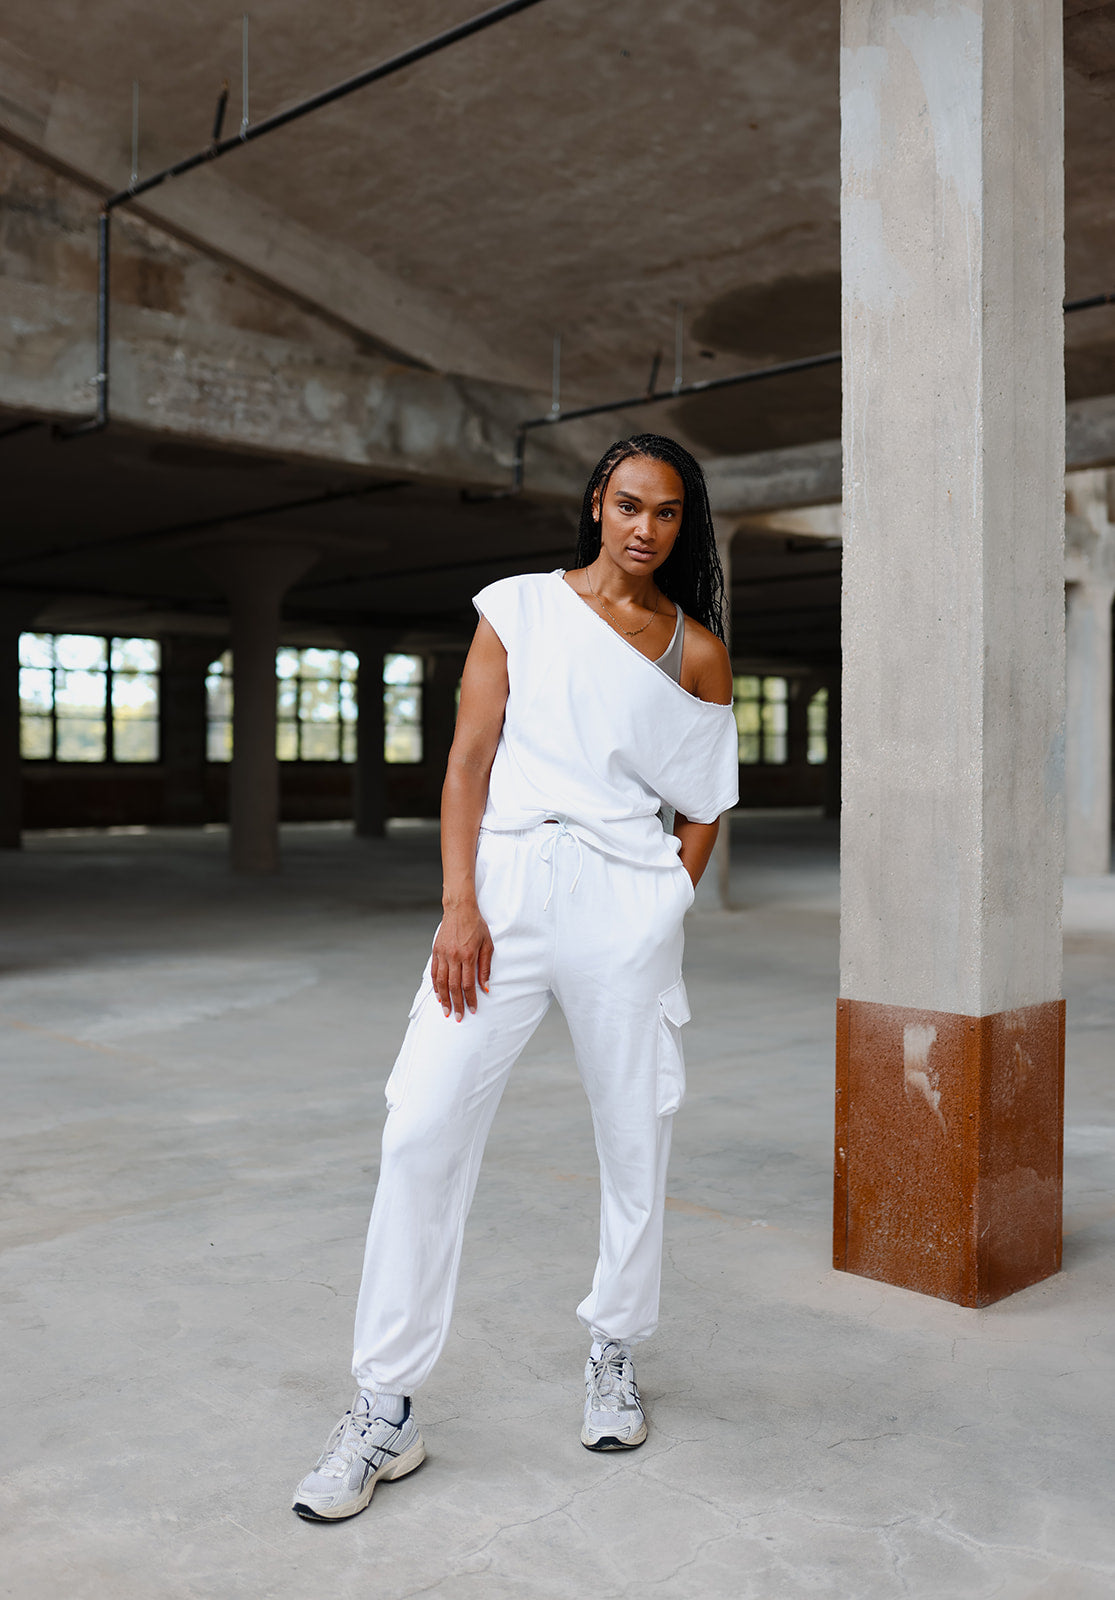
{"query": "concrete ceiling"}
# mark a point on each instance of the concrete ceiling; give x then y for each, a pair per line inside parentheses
(579, 168)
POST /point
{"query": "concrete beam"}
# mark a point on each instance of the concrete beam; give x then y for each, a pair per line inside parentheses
(220, 384)
(803, 475)
(205, 354)
(810, 475)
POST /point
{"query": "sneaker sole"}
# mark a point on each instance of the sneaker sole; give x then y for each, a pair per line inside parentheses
(608, 1441)
(407, 1462)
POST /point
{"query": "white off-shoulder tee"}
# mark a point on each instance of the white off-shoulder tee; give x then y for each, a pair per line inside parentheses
(595, 734)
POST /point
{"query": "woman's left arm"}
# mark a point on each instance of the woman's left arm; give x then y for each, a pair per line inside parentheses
(707, 673)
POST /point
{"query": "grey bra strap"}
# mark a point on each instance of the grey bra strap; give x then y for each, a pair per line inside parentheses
(670, 659)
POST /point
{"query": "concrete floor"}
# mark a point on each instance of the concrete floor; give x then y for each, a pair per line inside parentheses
(193, 1076)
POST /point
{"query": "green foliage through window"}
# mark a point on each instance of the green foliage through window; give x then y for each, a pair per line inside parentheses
(316, 705)
(218, 697)
(88, 699)
(817, 715)
(761, 707)
(402, 709)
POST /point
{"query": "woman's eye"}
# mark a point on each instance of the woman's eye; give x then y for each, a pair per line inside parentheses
(625, 505)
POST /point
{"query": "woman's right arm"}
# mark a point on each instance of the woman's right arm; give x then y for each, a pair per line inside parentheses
(463, 948)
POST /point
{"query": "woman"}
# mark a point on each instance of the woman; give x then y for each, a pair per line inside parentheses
(591, 700)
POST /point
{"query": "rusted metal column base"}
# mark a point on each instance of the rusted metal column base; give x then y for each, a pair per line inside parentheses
(948, 1148)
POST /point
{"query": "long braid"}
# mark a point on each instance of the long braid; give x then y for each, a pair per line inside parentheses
(691, 575)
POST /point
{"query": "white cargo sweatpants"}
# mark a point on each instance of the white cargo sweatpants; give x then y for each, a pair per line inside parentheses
(604, 938)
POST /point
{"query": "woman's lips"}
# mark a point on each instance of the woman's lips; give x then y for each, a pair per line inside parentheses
(639, 555)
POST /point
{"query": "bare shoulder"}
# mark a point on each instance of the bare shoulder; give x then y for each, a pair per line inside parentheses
(706, 665)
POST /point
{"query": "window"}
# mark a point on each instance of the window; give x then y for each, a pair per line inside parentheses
(762, 720)
(316, 705)
(218, 695)
(402, 709)
(817, 719)
(84, 698)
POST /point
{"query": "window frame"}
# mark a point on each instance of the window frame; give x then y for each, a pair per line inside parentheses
(297, 721)
(762, 702)
(108, 673)
(418, 725)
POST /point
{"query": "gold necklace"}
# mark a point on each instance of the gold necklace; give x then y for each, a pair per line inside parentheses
(628, 633)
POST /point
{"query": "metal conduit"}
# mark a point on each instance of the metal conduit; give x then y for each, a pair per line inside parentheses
(219, 147)
(678, 391)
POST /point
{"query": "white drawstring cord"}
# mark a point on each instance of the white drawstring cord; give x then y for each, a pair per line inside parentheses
(548, 851)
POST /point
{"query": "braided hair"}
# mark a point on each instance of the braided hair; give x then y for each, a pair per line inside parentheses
(691, 574)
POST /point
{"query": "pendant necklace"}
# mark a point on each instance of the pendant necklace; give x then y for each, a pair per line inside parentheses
(628, 633)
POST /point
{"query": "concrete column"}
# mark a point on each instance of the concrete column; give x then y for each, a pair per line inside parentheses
(17, 613)
(950, 1024)
(369, 799)
(797, 721)
(255, 576)
(439, 710)
(11, 765)
(714, 892)
(183, 713)
(1089, 593)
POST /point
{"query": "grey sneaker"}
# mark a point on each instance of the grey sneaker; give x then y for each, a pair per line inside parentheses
(362, 1449)
(613, 1416)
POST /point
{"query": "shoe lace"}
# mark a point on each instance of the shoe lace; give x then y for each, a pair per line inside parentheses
(346, 1444)
(613, 1380)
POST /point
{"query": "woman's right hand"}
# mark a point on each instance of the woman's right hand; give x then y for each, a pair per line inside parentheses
(462, 958)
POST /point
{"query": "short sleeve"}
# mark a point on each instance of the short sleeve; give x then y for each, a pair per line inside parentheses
(702, 776)
(498, 604)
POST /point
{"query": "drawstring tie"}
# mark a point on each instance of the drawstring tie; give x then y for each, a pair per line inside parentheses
(548, 851)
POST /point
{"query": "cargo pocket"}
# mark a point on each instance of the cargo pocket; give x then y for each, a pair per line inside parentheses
(396, 1083)
(673, 1014)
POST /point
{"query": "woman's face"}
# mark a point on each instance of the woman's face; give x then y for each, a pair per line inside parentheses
(640, 517)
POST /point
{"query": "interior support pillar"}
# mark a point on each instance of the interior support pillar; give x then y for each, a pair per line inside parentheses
(255, 577)
(439, 710)
(797, 721)
(17, 611)
(950, 1033)
(183, 716)
(369, 800)
(1089, 593)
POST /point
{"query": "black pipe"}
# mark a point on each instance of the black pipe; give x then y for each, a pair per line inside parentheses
(347, 579)
(99, 419)
(1089, 301)
(702, 386)
(656, 397)
(406, 58)
(221, 147)
(202, 523)
(206, 608)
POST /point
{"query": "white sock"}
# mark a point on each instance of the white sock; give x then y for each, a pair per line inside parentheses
(598, 1348)
(391, 1407)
